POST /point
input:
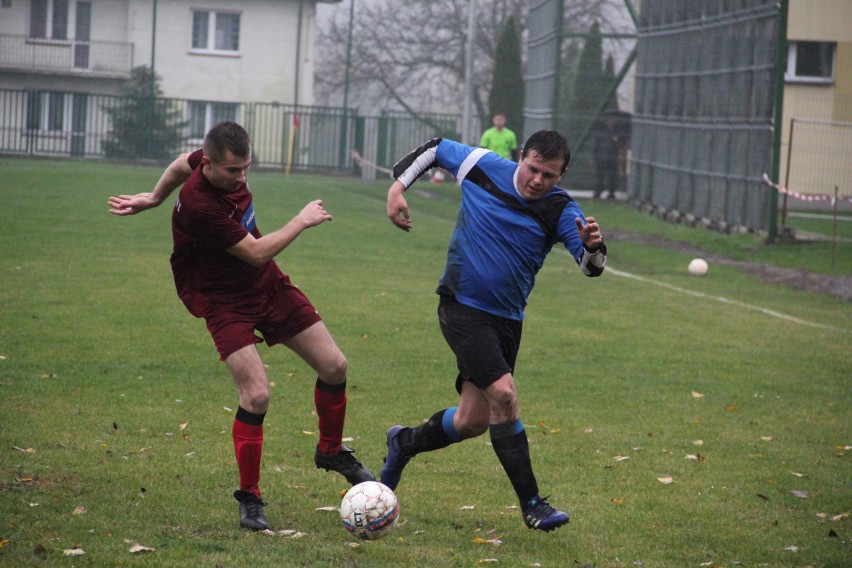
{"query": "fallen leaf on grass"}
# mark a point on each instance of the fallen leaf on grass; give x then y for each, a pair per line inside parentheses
(797, 474)
(25, 450)
(327, 508)
(838, 517)
(308, 433)
(621, 458)
(666, 480)
(696, 457)
(799, 493)
(348, 439)
(290, 533)
(467, 507)
(4, 542)
(80, 510)
(183, 425)
(352, 544)
(74, 551)
(766, 438)
(698, 442)
(139, 548)
(697, 395)
(616, 501)
(730, 408)
(792, 548)
(495, 541)
(486, 560)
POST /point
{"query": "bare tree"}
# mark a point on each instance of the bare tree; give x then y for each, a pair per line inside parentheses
(410, 55)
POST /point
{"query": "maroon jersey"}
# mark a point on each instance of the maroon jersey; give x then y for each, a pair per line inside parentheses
(206, 221)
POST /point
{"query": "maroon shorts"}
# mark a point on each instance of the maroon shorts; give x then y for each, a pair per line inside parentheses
(285, 313)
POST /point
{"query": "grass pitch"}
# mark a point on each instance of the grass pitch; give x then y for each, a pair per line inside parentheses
(682, 421)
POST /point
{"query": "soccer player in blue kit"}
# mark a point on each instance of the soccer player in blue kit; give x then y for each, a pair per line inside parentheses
(510, 217)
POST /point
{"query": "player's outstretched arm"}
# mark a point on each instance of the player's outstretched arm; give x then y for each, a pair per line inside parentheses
(398, 206)
(174, 176)
(258, 252)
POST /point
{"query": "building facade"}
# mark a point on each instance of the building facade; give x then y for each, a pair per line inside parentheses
(218, 54)
(817, 112)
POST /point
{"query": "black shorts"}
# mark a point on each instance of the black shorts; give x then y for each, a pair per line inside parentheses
(486, 346)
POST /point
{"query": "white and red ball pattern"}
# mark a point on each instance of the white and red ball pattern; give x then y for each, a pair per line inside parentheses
(369, 510)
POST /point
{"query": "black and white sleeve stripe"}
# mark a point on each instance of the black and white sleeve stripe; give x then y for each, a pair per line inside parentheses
(593, 263)
(415, 163)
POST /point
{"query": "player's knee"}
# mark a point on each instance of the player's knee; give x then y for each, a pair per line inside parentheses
(333, 371)
(255, 400)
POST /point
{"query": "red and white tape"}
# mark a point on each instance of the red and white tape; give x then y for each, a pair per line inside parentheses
(803, 196)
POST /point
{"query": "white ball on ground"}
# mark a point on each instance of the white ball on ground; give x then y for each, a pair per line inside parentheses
(369, 510)
(698, 267)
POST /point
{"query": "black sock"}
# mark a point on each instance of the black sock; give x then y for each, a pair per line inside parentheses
(431, 435)
(513, 450)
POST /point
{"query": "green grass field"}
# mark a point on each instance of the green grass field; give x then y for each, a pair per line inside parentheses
(116, 413)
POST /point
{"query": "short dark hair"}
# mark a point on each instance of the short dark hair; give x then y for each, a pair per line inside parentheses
(550, 145)
(227, 136)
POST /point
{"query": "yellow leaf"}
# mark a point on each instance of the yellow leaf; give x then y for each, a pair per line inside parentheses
(698, 442)
(183, 425)
(730, 408)
(4, 542)
(74, 552)
(697, 395)
(308, 433)
(25, 450)
(666, 480)
(616, 501)
(766, 438)
(139, 548)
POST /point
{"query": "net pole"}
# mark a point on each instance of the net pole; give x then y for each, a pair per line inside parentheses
(787, 174)
(780, 68)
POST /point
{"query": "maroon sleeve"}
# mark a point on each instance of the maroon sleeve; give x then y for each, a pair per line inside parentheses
(194, 159)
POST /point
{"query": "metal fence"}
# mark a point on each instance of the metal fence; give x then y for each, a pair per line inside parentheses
(703, 123)
(57, 123)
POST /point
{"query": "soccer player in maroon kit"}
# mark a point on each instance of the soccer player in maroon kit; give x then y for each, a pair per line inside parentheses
(225, 273)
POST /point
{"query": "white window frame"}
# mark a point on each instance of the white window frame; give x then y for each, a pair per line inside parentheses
(70, 23)
(792, 52)
(212, 17)
(209, 119)
(47, 102)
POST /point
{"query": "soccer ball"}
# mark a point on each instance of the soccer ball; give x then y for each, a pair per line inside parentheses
(697, 267)
(369, 510)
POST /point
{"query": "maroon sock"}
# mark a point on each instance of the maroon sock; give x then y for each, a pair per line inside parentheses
(248, 446)
(330, 402)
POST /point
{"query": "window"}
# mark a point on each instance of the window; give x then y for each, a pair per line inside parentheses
(225, 28)
(203, 115)
(46, 111)
(810, 62)
(49, 19)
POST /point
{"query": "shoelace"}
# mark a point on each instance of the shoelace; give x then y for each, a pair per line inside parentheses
(253, 507)
(541, 509)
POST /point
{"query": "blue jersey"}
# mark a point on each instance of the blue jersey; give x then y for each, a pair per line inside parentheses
(500, 239)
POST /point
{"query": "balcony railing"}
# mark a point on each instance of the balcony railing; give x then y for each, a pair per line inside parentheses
(92, 58)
